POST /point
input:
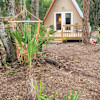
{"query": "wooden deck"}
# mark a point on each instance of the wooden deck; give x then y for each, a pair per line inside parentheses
(69, 32)
(68, 36)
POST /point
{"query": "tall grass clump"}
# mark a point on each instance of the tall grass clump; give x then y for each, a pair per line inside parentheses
(41, 92)
(72, 97)
(28, 41)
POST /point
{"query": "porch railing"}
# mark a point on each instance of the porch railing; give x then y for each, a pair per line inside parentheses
(72, 31)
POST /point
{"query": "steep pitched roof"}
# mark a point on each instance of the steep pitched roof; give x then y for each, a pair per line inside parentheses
(75, 4)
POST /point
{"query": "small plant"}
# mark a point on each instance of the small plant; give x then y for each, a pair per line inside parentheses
(8, 32)
(15, 99)
(41, 92)
(11, 72)
(51, 30)
(98, 36)
(72, 97)
(64, 40)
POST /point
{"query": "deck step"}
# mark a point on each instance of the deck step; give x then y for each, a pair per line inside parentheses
(57, 40)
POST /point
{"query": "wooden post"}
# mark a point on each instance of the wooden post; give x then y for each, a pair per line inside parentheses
(89, 27)
(48, 33)
(62, 34)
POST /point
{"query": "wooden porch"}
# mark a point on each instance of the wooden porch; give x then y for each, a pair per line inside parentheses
(69, 32)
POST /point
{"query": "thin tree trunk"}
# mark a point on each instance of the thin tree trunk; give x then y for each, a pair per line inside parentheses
(17, 11)
(11, 12)
(11, 9)
(86, 35)
(8, 45)
(35, 8)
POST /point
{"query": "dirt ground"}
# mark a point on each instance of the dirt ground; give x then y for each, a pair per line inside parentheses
(79, 70)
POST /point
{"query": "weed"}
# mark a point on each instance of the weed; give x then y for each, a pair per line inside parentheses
(72, 97)
(41, 92)
(15, 99)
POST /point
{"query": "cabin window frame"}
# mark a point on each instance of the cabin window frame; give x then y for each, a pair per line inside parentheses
(62, 20)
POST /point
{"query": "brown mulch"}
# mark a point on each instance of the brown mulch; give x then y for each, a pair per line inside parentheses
(79, 70)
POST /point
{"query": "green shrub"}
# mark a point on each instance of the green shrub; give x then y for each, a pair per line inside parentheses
(29, 40)
(98, 36)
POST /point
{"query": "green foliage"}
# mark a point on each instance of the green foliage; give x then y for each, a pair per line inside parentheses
(3, 6)
(93, 12)
(11, 72)
(15, 99)
(98, 36)
(80, 2)
(8, 32)
(29, 40)
(4, 60)
(41, 92)
(44, 6)
(52, 30)
(72, 97)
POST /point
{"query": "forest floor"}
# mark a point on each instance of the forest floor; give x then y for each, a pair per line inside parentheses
(79, 70)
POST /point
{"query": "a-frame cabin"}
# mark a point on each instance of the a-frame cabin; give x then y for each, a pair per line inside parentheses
(66, 17)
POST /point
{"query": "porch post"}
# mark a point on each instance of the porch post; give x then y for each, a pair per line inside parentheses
(62, 34)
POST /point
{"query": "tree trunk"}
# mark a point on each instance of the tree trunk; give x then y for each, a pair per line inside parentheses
(10, 50)
(8, 45)
(10, 8)
(11, 12)
(17, 11)
(35, 8)
(86, 34)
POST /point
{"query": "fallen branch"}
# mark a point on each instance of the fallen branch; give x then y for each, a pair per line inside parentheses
(69, 68)
(52, 61)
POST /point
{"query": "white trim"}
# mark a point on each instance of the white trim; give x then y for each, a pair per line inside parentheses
(62, 19)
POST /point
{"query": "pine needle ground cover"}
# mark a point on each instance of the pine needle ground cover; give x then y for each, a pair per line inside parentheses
(80, 71)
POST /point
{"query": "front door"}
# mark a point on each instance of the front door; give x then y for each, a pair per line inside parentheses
(58, 22)
(63, 18)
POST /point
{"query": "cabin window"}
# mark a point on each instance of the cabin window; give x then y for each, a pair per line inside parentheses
(68, 20)
(58, 21)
